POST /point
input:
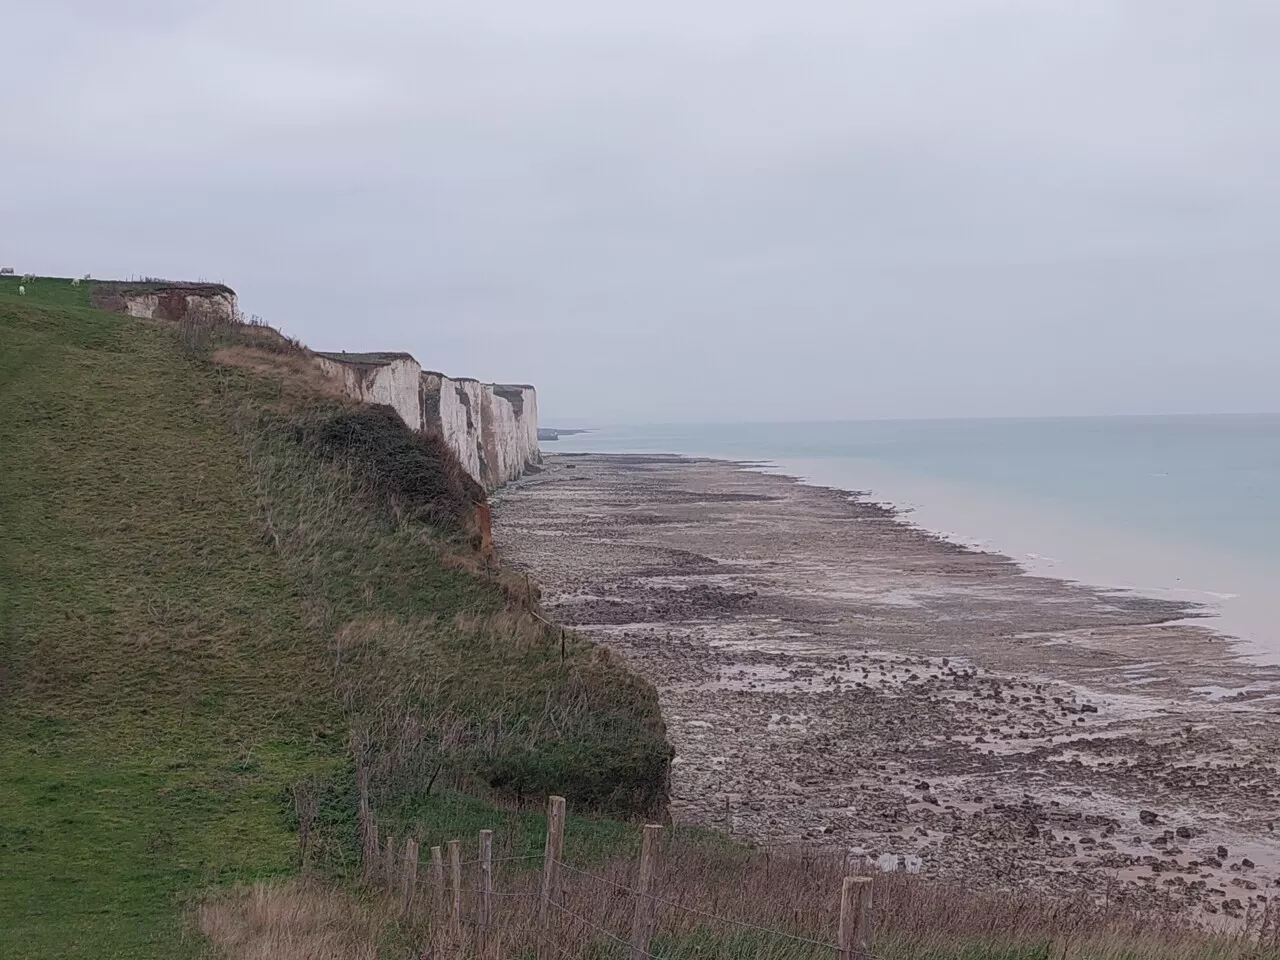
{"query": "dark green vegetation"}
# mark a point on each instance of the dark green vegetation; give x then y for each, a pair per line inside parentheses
(202, 595)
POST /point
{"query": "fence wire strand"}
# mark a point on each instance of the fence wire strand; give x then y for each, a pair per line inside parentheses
(599, 929)
(427, 880)
(530, 856)
(826, 945)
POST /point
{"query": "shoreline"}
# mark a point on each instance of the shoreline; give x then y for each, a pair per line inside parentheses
(1207, 607)
(819, 659)
(1155, 568)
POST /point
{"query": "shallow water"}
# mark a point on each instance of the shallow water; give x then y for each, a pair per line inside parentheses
(1181, 507)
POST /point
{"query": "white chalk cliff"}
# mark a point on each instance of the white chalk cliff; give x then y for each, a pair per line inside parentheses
(166, 299)
(390, 378)
(493, 428)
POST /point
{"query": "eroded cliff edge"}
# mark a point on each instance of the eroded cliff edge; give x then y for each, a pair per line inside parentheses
(492, 427)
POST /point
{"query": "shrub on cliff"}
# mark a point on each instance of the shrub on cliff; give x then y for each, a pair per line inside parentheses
(414, 475)
(447, 675)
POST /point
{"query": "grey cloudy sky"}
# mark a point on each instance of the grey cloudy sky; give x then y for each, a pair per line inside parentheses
(687, 209)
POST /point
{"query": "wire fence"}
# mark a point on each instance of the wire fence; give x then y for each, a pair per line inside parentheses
(695, 911)
(641, 902)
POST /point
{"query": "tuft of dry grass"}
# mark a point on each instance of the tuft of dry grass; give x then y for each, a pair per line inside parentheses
(299, 375)
(203, 329)
(290, 921)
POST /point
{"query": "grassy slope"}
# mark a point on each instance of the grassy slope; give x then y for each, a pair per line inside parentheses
(159, 687)
(165, 655)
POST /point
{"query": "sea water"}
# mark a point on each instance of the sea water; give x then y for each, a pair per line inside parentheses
(1180, 507)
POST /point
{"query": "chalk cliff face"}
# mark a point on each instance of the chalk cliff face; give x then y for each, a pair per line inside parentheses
(165, 300)
(493, 428)
(512, 439)
(390, 378)
(453, 408)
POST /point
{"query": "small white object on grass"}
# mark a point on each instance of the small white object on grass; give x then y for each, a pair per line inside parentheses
(75, 281)
(22, 291)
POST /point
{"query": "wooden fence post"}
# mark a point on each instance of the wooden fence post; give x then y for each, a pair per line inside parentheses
(855, 919)
(372, 852)
(455, 880)
(486, 889)
(409, 877)
(437, 881)
(551, 855)
(642, 925)
(389, 864)
(365, 824)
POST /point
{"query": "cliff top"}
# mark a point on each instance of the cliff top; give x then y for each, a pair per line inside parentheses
(378, 357)
(499, 386)
(154, 285)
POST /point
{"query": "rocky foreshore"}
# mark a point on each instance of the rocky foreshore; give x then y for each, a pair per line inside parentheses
(832, 675)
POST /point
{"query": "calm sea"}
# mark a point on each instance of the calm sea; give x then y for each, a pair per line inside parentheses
(1185, 507)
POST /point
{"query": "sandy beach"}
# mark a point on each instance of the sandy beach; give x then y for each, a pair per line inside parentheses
(831, 675)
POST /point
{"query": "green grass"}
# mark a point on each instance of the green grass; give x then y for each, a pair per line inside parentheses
(450, 815)
(48, 291)
(159, 686)
(179, 560)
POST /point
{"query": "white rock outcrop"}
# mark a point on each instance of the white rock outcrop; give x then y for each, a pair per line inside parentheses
(492, 428)
(390, 378)
(510, 436)
(452, 407)
(161, 306)
(166, 300)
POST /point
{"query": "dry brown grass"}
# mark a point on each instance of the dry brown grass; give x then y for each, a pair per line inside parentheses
(714, 902)
(301, 374)
(293, 921)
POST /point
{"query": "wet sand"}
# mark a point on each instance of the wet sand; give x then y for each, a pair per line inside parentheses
(831, 675)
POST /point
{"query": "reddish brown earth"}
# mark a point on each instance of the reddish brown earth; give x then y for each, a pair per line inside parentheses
(830, 674)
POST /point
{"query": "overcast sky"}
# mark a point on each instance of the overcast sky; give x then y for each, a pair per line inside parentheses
(685, 210)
